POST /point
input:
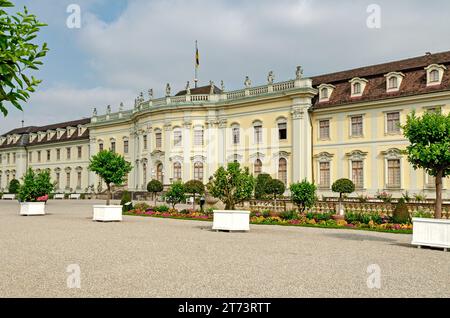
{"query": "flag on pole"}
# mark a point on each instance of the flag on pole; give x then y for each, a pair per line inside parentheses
(197, 56)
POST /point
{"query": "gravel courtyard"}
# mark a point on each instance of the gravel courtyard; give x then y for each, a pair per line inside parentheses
(147, 257)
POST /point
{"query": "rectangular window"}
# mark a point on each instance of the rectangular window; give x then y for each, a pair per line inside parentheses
(80, 152)
(282, 131)
(177, 138)
(358, 174)
(49, 155)
(79, 180)
(58, 180)
(67, 180)
(14, 157)
(30, 156)
(324, 129)
(100, 147)
(39, 156)
(7, 158)
(58, 154)
(125, 146)
(236, 136)
(198, 137)
(393, 173)
(69, 152)
(145, 141)
(158, 139)
(258, 134)
(393, 122)
(431, 181)
(357, 126)
(324, 174)
(113, 146)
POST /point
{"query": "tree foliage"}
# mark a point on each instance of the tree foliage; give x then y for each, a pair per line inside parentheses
(14, 186)
(112, 168)
(275, 188)
(261, 184)
(175, 194)
(232, 185)
(18, 55)
(303, 195)
(429, 136)
(342, 186)
(155, 187)
(194, 187)
(35, 186)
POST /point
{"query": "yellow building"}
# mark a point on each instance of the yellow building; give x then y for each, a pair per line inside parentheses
(341, 125)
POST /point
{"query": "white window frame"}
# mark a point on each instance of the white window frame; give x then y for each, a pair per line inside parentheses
(393, 154)
(399, 76)
(329, 89)
(386, 113)
(258, 124)
(324, 157)
(362, 85)
(435, 67)
(350, 117)
(177, 134)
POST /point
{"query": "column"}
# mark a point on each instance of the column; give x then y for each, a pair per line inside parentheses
(222, 135)
(187, 145)
(91, 152)
(167, 152)
(301, 140)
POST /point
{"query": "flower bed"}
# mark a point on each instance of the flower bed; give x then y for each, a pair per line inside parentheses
(372, 222)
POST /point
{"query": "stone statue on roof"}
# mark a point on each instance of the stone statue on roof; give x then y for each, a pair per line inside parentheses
(168, 89)
(94, 113)
(150, 93)
(299, 72)
(211, 89)
(222, 86)
(108, 109)
(270, 78)
(188, 88)
(248, 82)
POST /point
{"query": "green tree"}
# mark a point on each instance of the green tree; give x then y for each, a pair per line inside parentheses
(14, 186)
(275, 188)
(35, 186)
(18, 55)
(194, 187)
(429, 136)
(261, 184)
(112, 168)
(175, 194)
(303, 195)
(155, 187)
(343, 186)
(232, 185)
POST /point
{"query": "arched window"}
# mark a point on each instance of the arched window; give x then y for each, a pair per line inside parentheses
(393, 82)
(282, 170)
(198, 171)
(159, 173)
(257, 167)
(177, 171)
(324, 93)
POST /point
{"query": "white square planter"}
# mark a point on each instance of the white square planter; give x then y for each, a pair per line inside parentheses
(108, 213)
(431, 232)
(32, 208)
(227, 220)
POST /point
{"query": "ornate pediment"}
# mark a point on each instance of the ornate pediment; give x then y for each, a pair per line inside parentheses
(157, 155)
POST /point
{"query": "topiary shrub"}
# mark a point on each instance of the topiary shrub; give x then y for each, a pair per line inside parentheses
(262, 180)
(401, 213)
(155, 187)
(303, 195)
(125, 202)
(194, 187)
(14, 186)
(343, 186)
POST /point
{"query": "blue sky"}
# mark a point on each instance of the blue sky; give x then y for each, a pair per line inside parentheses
(128, 46)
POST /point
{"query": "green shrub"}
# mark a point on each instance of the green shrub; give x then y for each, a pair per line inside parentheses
(35, 186)
(262, 180)
(401, 213)
(323, 216)
(288, 215)
(162, 209)
(125, 202)
(303, 195)
(266, 213)
(14, 186)
(175, 194)
(423, 214)
(141, 206)
(155, 187)
(343, 186)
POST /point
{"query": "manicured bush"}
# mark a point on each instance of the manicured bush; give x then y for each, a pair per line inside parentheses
(261, 182)
(194, 187)
(162, 208)
(14, 186)
(155, 187)
(401, 213)
(343, 186)
(126, 198)
(275, 188)
(303, 195)
(175, 194)
(288, 215)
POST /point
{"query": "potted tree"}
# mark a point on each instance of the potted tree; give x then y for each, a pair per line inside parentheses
(34, 192)
(112, 168)
(429, 136)
(194, 187)
(232, 186)
(342, 186)
(155, 187)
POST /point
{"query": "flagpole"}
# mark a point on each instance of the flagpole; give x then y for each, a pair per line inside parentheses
(196, 64)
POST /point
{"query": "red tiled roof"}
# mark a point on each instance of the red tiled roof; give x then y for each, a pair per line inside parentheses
(414, 82)
(200, 91)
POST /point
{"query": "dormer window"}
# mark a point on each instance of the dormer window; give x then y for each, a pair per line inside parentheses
(325, 91)
(358, 85)
(394, 81)
(435, 73)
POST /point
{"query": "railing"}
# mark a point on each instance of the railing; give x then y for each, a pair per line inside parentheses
(283, 86)
(199, 98)
(236, 94)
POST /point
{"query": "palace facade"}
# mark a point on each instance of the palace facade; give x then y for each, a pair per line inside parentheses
(340, 125)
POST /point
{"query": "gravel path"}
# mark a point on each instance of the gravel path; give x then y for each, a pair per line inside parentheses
(147, 257)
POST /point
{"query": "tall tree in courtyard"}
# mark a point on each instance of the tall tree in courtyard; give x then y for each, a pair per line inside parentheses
(18, 56)
(112, 168)
(429, 136)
